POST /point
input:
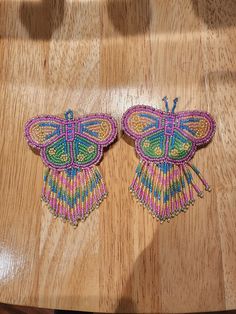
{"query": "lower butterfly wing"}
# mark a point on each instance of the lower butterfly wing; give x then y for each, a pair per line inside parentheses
(197, 126)
(157, 147)
(41, 131)
(180, 148)
(152, 147)
(85, 152)
(79, 153)
(139, 121)
(99, 128)
(57, 155)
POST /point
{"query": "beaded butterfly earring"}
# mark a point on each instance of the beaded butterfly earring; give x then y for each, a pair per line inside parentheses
(165, 179)
(70, 148)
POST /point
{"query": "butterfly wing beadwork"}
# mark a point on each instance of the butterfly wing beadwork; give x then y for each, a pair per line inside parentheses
(70, 148)
(70, 143)
(93, 133)
(169, 137)
(44, 130)
(165, 142)
(139, 121)
(193, 129)
(144, 125)
(98, 128)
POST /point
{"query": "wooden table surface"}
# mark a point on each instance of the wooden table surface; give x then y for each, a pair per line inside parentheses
(104, 56)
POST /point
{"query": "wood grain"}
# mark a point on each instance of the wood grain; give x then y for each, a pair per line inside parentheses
(104, 56)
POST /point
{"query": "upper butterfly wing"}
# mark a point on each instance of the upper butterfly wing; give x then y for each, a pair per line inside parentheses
(139, 121)
(41, 131)
(100, 128)
(197, 126)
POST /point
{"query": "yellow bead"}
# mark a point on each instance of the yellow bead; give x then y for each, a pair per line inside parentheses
(146, 143)
(104, 124)
(186, 146)
(158, 151)
(101, 135)
(80, 157)
(64, 157)
(91, 149)
(52, 151)
(174, 152)
(135, 118)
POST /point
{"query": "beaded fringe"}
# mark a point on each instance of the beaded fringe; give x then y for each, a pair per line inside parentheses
(167, 189)
(74, 193)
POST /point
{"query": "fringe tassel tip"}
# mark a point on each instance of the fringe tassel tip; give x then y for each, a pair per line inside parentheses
(73, 194)
(167, 189)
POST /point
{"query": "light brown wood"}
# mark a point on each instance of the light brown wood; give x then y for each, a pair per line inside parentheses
(104, 56)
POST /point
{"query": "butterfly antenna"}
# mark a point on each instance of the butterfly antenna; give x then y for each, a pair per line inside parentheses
(165, 99)
(174, 104)
(69, 115)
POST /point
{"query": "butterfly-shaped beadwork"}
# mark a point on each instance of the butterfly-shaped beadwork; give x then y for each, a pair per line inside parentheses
(71, 143)
(71, 148)
(165, 142)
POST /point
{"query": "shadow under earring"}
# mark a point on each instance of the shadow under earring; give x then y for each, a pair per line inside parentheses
(70, 148)
(165, 180)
